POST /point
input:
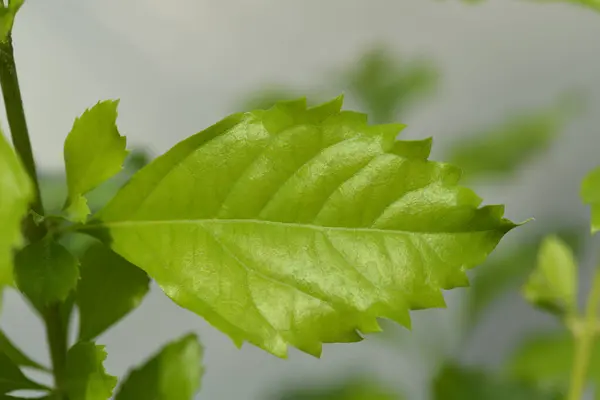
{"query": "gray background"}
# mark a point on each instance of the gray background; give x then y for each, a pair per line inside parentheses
(180, 65)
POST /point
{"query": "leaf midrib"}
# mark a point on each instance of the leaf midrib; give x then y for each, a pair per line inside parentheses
(215, 221)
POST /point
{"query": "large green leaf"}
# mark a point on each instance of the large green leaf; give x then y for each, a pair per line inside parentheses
(86, 378)
(296, 226)
(172, 374)
(508, 268)
(590, 193)
(455, 382)
(46, 272)
(547, 359)
(110, 287)
(16, 355)
(16, 191)
(11, 377)
(553, 284)
(94, 152)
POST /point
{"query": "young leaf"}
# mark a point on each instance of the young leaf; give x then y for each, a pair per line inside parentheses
(7, 17)
(547, 359)
(86, 378)
(552, 285)
(455, 382)
(109, 288)
(172, 374)
(94, 151)
(16, 192)
(11, 377)
(46, 272)
(296, 226)
(590, 193)
(508, 268)
(16, 355)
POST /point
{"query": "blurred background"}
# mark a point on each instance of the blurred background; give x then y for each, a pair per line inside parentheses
(509, 90)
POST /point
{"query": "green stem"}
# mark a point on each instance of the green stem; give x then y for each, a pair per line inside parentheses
(584, 341)
(18, 130)
(56, 335)
(55, 326)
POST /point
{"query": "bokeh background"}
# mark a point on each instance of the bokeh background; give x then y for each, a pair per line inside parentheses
(509, 90)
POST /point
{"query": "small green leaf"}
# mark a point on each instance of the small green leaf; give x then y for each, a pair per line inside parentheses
(553, 284)
(86, 378)
(11, 377)
(172, 374)
(301, 227)
(94, 152)
(504, 148)
(7, 17)
(16, 355)
(509, 267)
(547, 359)
(16, 192)
(110, 287)
(590, 193)
(454, 382)
(46, 272)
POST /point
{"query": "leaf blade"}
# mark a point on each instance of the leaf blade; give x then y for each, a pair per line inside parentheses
(94, 151)
(46, 272)
(11, 377)
(86, 378)
(174, 373)
(312, 207)
(17, 193)
(16, 355)
(104, 272)
(552, 285)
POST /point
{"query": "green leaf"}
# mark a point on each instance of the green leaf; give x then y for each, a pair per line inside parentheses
(16, 355)
(504, 148)
(46, 272)
(172, 374)
(16, 192)
(547, 359)
(386, 86)
(509, 267)
(11, 377)
(590, 193)
(354, 388)
(94, 152)
(553, 284)
(7, 17)
(110, 287)
(296, 226)
(455, 382)
(86, 378)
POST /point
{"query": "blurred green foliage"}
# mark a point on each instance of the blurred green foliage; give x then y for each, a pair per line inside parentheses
(385, 86)
(502, 149)
(546, 359)
(455, 382)
(352, 388)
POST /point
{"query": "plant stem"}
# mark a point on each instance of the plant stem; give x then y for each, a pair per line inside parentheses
(55, 326)
(584, 341)
(56, 335)
(18, 130)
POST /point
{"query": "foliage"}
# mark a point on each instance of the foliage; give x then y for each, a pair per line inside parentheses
(351, 388)
(282, 226)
